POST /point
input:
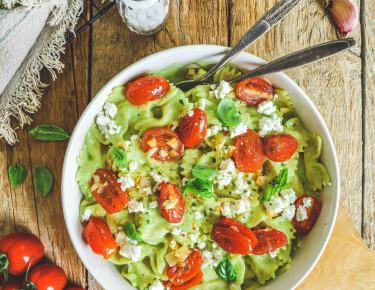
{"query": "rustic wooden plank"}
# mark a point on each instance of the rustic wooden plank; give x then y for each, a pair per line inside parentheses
(368, 23)
(334, 85)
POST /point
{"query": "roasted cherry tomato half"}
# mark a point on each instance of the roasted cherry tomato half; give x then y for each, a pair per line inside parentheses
(20, 250)
(280, 147)
(147, 89)
(107, 191)
(269, 240)
(164, 144)
(249, 155)
(189, 284)
(254, 91)
(185, 271)
(171, 203)
(193, 128)
(12, 284)
(233, 236)
(99, 237)
(303, 227)
(46, 277)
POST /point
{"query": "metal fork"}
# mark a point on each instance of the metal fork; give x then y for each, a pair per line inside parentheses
(269, 20)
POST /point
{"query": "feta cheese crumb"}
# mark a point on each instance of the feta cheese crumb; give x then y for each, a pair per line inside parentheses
(133, 138)
(225, 209)
(227, 169)
(198, 215)
(278, 202)
(218, 257)
(86, 214)
(301, 211)
(237, 130)
(208, 133)
(289, 211)
(176, 231)
(158, 178)
(173, 244)
(135, 206)
(127, 248)
(214, 246)
(216, 129)
(266, 108)
(273, 254)
(156, 285)
(267, 125)
(132, 166)
(202, 104)
(190, 113)
(106, 125)
(207, 259)
(201, 245)
(241, 185)
(126, 181)
(223, 89)
(110, 109)
(154, 204)
(193, 238)
(241, 206)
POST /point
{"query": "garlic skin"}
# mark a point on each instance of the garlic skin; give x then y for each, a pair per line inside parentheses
(345, 14)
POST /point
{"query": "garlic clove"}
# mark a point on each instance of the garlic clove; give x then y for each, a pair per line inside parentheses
(345, 14)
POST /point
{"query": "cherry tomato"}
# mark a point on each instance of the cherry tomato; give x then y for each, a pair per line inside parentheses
(75, 288)
(249, 155)
(189, 284)
(99, 237)
(313, 212)
(185, 271)
(108, 192)
(170, 196)
(46, 277)
(193, 129)
(20, 250)
(269, 240)
(13, 284)
(280, 147)
(254, 91)
(147, 89)
(165, 143)
(233, 236)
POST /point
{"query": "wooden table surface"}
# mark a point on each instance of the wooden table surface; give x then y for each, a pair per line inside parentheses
(342, 88)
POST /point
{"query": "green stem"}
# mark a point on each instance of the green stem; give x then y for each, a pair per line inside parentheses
(4, 263)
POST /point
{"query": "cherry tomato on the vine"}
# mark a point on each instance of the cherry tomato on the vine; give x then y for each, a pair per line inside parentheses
(193, 128)
(13, 284)
(254, 91)
(303, 227)
(108, 192)
(147, 89)
(46, 277)
(99, 237)
(269, 240)
(280, 147)
(171, 203)
(249, 155)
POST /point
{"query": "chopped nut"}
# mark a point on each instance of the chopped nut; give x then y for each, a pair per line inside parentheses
(152, 143)
(173, 143)
(285, 110)
(261, 181)
(173, 153)
(95, 186)
(96, 178)
(230, 150)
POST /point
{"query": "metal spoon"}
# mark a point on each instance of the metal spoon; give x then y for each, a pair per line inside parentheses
(269, 20)
(299, 58)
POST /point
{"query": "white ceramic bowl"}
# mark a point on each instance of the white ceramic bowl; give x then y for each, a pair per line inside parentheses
(313, 245)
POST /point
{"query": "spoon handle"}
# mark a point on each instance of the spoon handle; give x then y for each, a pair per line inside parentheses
(269, 20)
(299, 58)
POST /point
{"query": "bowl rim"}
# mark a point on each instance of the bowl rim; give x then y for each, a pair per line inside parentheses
(215, 49)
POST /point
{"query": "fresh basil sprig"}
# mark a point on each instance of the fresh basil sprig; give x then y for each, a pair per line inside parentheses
(200, 186)
(119, 157)
(227, 113)
(49, 133)
(43, 180)
(202, 171)
(226, 271)
(17, 174)
(278, 184)
(131, 232)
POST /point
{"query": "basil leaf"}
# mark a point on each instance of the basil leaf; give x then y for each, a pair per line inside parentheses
(131, 232)
(49, 133)
(17, 174)
(43, 180)
(202, 171)
(199, 186)
(269, 192)
(119, 157)
(227, 113)
(282, 178)
(226, 271)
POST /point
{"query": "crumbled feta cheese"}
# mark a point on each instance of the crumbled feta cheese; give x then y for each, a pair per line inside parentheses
(307, 202)
(190, 113)
(176, 231)
(227, 169)
(158, 178)
(193, 238)
(135, 206)
(275, 96)
(110, 109)
(133, 138)
(241, 206)
(106, 125)
(198, 215)
(157, 90)
(289, 195)
(202, 104)
(127, 248)
(278, 202)
(218, 257)
(127, 144)
(173, 244)
(213, 87)
(289, 211)
(241, 185)
(301, 211)
(223, 89)
(267, 125)
(273, 254)
(216, 129)
(132, 166)
(201, 245)
(153, 204)
(214, 246)
(126, 181)
(237, 130)
(225, 209)
(266, 108)
(156, 285)
(163, 153)
(86, 214)
(208, 133)
(227, 166)
(207, 259)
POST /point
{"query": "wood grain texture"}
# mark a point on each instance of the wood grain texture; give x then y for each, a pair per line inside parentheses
(99, 53)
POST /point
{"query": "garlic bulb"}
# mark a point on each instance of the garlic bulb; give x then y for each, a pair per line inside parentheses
(345, 14)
